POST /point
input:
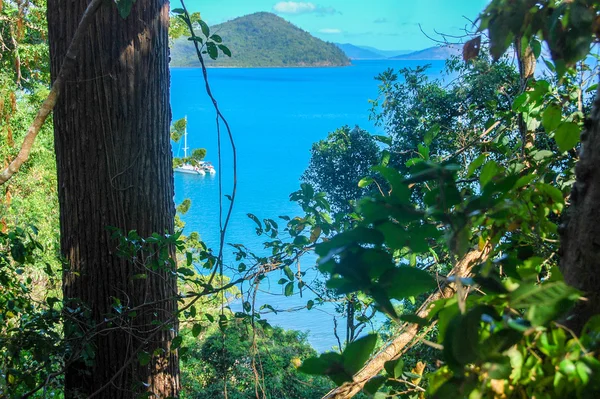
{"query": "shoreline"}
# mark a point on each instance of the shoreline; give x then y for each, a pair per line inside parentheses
(260, 67)
(296, 66)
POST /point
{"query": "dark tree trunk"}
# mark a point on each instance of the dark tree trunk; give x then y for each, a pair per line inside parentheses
(580, 245)
(114, 164)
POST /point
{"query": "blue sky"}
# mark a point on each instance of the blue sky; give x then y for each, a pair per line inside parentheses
(385, 24)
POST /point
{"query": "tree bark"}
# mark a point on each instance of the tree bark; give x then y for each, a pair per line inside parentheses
(114, 163)
(580, 231)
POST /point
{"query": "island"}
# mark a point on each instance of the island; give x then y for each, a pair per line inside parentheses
(262, 39)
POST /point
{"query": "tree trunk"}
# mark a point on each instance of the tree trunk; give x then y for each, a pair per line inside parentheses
(114, 162)
(580, 232)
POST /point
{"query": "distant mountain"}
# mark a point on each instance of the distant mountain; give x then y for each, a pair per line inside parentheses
(355, 52)
(262, 40)
(431, 53)
(359, 53)
(387, 53)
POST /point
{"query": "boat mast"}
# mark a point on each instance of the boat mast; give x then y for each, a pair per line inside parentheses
(185, 147)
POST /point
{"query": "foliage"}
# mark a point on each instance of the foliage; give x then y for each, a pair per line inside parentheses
(178, 129)
(210, 45)
(263, 39)
(339, 162)
(500, 333)
(30, 198)
(31, 344)
(418, 113)
(569, 28)
(251, 360)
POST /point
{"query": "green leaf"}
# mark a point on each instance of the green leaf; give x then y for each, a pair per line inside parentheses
(584, 372)
(310, 304)
(500, 341)
(225, 50)
(216, 38)
(373, 385)
(404, 281)
(365, 181)
(176, 342)
(289, 289)
(477, 162)
(255, 219)
(358, 352)
(211, 48)
(461, 343)
(196, 39)
(330, 364)
(144, 358)
(223, 322)
(288, 272)
(178, 11)
(394, 367)
(552, 117)
(547, 294)
(205, 28)
(488, 172)
(18, 252)
(383, 300)
(567, 136)
(540, 315)
(185, 271)
(197, 329)
(413, 318)
(430, 134)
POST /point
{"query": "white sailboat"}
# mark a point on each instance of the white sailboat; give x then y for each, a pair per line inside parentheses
(186, 167)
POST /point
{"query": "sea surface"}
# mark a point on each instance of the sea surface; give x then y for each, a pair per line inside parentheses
(275, 115)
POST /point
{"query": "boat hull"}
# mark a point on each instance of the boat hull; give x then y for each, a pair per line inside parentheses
(189, 170)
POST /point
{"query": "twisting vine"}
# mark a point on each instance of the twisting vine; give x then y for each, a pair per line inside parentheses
(212, 51)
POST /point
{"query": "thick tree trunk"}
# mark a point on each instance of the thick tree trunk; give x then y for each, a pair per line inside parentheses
(114, 164)
(580, 232)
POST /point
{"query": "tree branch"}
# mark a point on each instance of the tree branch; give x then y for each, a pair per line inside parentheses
(50, 101)
(394, 349)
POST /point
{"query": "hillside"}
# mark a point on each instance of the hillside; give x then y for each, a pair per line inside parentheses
(431, 53)
(262, 40)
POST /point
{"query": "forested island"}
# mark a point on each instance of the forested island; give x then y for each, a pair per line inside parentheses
(263, 40)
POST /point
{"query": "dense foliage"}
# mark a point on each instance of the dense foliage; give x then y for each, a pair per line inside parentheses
(476, 194)
(250, 360)
(263, 40)
(339, 162)
(30, 198)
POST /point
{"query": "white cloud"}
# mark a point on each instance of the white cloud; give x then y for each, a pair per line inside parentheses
(294, 7)
(302, 7)
(330, 31)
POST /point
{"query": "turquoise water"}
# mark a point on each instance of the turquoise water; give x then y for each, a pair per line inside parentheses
(275, 115)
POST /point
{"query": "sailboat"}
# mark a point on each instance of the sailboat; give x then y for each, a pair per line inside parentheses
(186, 167)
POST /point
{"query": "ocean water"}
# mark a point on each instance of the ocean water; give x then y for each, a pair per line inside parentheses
(275, 115)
